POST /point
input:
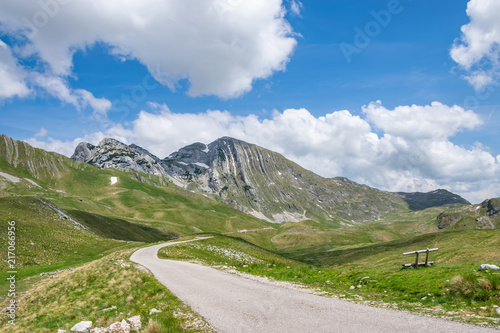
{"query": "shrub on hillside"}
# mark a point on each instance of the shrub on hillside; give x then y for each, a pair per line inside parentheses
(473, 287)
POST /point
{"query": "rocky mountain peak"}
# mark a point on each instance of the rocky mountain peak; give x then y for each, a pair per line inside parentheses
(83, 152)
(261, 182)
(111, 153)
(196, 152)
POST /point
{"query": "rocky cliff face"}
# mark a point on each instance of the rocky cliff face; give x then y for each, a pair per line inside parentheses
(492, 206)
(111, 153)
(257, 181)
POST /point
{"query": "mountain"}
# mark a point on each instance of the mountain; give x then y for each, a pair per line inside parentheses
(421, 201)
(60, 204)
(483, 216)
(21, 159)
(261, 182)
(113, 154)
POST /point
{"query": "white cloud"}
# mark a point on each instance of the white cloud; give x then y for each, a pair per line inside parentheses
(480, 79)
(14, 81)
(66, 148)
(220, 46)
(435, 121)
(99, 105)
(478, 49)
(43, 132)
(296, 7)
(12, 76)
(414, 153)
(79, 98)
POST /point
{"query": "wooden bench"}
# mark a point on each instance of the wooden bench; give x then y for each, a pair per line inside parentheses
(416, 264)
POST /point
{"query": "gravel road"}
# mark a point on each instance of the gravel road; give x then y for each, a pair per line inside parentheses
(234, 304)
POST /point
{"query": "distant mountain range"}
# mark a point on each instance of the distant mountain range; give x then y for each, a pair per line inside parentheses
(261, 182)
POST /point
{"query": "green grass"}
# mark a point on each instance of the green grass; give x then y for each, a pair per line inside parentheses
(119, 229)
(47, 241)
(455, 247)
(224, 250)
(43, 237)
(83, 293)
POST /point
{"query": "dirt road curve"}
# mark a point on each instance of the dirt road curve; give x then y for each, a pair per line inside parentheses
(234, 304)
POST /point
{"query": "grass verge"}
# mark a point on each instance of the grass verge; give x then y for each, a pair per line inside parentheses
(83, 293)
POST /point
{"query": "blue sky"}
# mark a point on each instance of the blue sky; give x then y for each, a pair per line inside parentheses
(128, 68)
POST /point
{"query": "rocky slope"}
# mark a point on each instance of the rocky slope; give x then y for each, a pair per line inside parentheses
(111, 153)
(261, 182)
(483, 216)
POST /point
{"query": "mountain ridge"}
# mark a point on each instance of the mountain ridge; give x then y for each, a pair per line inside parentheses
(261, 182)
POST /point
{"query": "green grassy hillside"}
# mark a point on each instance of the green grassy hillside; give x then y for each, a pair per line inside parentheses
(455, 247)
(105, 291)
(52, 191)
(224, 250)
(45, 235)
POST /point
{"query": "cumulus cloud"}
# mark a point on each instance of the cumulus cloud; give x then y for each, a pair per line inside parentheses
(79, 98)
(220, 46)
(413, 153)
(16, 80)
(478, 49)
(436, 121)
(12, 76)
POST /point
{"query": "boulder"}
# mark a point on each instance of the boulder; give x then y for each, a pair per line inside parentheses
(119, 327)
(487, 266)
(135, 323)
(82, 327)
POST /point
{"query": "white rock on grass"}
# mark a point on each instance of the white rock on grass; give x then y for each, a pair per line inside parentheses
(61, 331)
(135, 323)
(487, 266)
(99, 330)
(109, 309)
(82, 327)
(132, 324)
(153, 310)
(119, 327)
